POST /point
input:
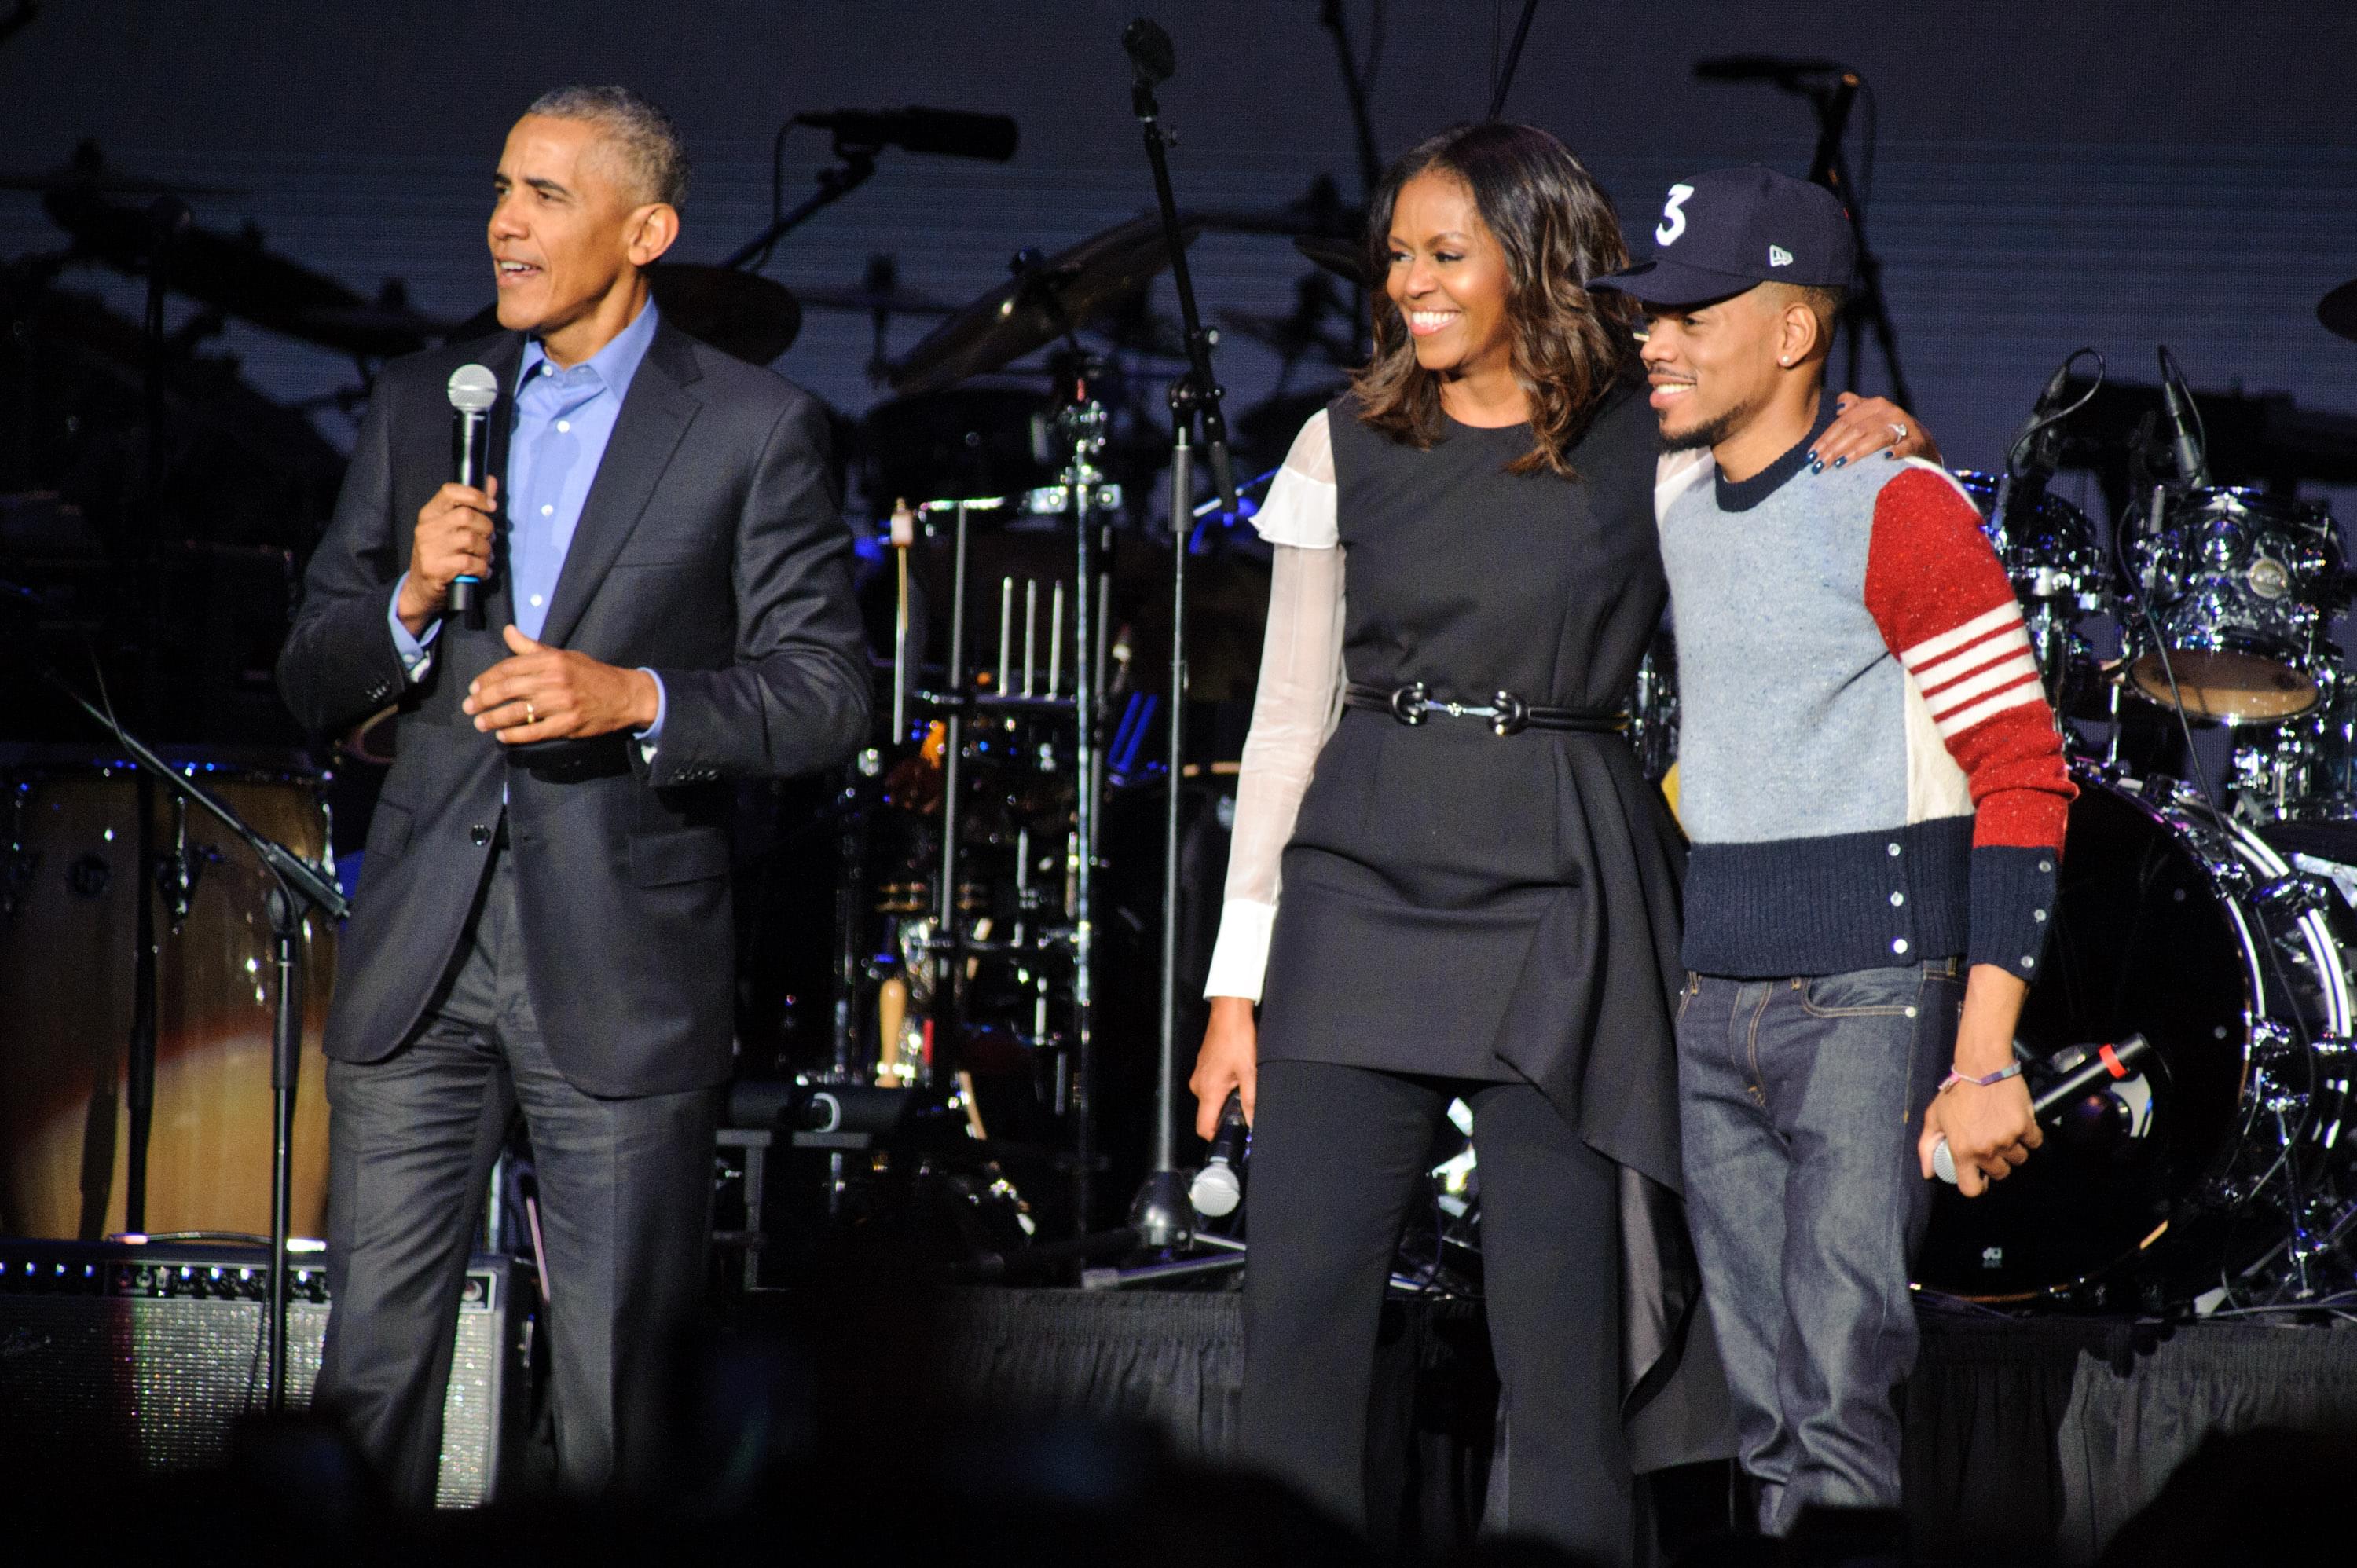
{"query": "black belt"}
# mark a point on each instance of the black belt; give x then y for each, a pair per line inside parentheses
(1413, 703)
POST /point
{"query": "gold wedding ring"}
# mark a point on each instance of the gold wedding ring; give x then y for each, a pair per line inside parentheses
(529, 718)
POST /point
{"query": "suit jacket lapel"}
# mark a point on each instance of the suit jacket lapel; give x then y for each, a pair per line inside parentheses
(499, 608)
(654, 416)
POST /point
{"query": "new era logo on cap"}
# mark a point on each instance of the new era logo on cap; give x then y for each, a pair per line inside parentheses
(1724, 230)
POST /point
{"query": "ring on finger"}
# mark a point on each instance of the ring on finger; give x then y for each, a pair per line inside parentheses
(530, 716)
(1898, 431)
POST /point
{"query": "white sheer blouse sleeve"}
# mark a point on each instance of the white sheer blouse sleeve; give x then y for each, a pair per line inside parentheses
(1295, 709)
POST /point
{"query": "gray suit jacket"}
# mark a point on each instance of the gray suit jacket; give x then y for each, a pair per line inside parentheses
(710, 550)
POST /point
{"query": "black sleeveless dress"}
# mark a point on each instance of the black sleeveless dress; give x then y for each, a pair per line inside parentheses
(1460, 903)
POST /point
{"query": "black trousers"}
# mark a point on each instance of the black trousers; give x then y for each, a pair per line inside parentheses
(1339, 1152)
(625, 1198)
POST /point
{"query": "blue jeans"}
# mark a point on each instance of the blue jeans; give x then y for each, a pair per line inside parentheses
(1801, 1101)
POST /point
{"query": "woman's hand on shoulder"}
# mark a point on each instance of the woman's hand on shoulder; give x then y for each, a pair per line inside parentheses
(1230, 1060)
(1869, 425)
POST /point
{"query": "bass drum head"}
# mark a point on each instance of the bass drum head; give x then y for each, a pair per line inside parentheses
(2143, 943)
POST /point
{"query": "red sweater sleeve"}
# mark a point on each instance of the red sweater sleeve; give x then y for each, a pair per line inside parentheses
(1935, 587)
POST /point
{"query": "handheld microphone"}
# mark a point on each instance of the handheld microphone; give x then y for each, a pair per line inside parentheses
(2103, 1062)
(473, 390)
(1217, 1189)
(2192, 463)
(953, 133)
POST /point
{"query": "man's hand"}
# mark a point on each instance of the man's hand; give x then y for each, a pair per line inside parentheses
(1989, 1130)
(1230, 1059)
(1868, 425)
(554, 694)
(453, 539)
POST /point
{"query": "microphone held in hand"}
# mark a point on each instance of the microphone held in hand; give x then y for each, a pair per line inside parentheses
(473, 390)
(1218, 1187)
(2103, 1062)
(952, 133)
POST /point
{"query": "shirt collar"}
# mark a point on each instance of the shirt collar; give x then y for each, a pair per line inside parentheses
(615, 364)
(1742, 495)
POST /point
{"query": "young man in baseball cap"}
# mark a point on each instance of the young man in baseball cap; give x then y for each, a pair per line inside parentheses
(1877, 797)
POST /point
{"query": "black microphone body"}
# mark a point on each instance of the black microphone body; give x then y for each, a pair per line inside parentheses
(952, 133)
(2192, 463)
(2104, 1065)
(471, 441)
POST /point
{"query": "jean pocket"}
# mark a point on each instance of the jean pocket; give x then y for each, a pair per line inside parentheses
(1863, 993)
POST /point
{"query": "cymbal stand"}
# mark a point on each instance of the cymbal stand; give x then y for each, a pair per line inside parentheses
(296, 885)
(1161, 1212)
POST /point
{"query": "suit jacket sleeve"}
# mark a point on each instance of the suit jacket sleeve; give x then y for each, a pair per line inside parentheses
(338, 663)
(797, 699)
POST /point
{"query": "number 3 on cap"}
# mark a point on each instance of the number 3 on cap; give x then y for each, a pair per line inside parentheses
(1673, 222)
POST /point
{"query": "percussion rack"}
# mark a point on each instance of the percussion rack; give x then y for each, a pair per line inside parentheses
(1088, 501)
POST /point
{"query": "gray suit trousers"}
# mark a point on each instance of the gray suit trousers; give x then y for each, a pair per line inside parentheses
(625, 1195)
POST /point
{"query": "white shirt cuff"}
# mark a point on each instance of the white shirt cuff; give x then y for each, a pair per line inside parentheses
(415, 652)
(1240, 958)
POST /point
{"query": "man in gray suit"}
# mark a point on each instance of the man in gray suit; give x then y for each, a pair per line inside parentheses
(542, 922)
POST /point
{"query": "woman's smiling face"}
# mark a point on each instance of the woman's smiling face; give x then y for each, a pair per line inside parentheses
(1448, 277)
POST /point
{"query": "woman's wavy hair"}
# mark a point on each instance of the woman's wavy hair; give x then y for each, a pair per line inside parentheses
(1559, 229)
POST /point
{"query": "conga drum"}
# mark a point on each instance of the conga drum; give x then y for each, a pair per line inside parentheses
(69, 929)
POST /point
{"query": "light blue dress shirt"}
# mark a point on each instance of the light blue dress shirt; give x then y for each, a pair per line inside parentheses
(563, 419)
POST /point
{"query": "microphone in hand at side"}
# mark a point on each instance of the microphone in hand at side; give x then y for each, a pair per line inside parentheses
(1218, 1187)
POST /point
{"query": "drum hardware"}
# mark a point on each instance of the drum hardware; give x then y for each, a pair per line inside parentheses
(2176, 921)
(297, 890)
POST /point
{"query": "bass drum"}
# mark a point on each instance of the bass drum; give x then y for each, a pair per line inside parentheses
(2192, 932)
(68, 922)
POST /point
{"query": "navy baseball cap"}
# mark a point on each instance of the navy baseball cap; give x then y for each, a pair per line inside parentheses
(1721, 232)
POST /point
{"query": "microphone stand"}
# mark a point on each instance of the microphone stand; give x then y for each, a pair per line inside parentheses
(1161, 1212)
(297, 883)
(1830, 168)
(834, 185)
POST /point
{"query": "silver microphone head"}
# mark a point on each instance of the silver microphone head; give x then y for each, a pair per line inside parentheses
(1215, 1190)
(473, 389)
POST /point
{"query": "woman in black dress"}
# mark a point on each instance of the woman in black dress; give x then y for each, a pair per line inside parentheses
(1480, 887)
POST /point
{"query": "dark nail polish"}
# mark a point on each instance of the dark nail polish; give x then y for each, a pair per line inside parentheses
(1812, 456)
(1839, 461)
(1816, 467)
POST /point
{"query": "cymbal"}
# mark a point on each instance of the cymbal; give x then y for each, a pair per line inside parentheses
(891, 302)
(2338, 310)
(87, 170)
(1346, 258)
(743, 315)
(233, 273)
(1059, 295)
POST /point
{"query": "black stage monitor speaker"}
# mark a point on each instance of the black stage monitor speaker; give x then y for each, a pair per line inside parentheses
(145, 1356)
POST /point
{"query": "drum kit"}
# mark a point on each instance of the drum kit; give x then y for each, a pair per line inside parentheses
(2220, 923)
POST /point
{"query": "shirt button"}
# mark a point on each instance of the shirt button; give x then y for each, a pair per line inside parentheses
(480, 834)
(2039, 916)
(1897, 900)
(1894, 850)
(2028, 961)
(564, 426)
(1898, 945)
(548, 512)
(2045, 865)
(535, 603)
